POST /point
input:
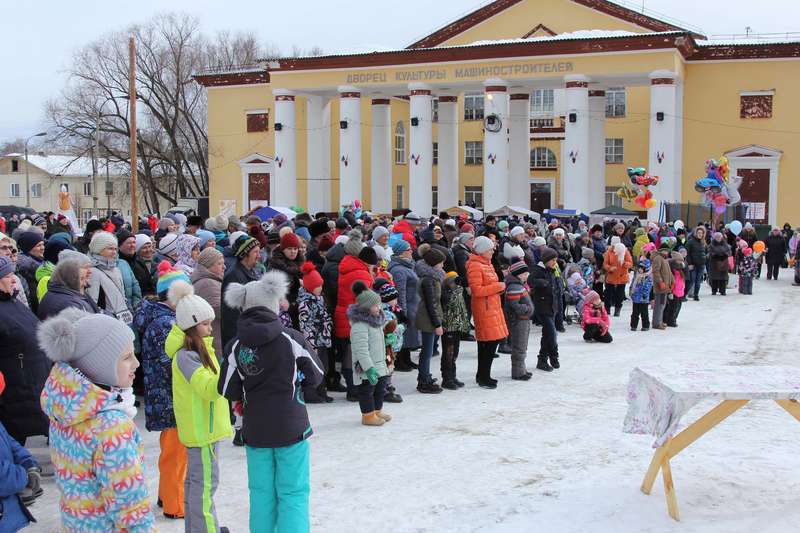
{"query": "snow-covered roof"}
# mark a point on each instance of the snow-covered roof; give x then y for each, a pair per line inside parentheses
(568, 36)
(751, 41)
(70, 165)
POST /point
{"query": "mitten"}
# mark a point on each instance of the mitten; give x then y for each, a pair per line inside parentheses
(372, 375)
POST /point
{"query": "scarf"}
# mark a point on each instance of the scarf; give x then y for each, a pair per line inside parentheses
(102, 263)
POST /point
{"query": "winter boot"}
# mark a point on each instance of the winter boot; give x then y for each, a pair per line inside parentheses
(372, 419)
(504, 347)
(554, 361)
(542, 364)
(335, 383)
(429, 388)
(385, 416)
(391, 395)
(238, 438)
(617, 311)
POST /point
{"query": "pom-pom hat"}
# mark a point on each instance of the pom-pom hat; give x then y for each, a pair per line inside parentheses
(365, 298)
(311, 278)
(190, 309)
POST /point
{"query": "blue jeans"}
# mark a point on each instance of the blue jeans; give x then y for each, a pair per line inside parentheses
(278, 479)
(425, 354)
(695, 280)
(549, 345)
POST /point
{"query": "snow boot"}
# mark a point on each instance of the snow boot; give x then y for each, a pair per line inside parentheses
(238, 438)
(458, 382)
(617, 311)
(335, 383)
(542, 364)
(372, 419)
(385, 416)
(486, 383)
(554, 361)
(504, 348)
(522, 377)
(429, 388)
(449, 384)
(391, 395)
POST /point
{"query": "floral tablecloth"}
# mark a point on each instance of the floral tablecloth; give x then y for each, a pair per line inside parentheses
(658, 397)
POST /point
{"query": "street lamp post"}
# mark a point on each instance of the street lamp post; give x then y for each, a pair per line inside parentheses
(27, 177)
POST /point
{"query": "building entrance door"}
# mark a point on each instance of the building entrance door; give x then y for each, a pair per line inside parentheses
(258, 189)
(540, 197)
(755, 194)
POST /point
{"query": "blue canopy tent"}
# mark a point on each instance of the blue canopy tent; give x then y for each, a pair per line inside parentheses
(550, 214)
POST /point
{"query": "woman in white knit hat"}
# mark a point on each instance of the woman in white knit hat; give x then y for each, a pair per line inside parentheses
(106, 285)
(196, 401)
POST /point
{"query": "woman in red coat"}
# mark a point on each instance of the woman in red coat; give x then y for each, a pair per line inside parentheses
(357, 265)
(487, 309)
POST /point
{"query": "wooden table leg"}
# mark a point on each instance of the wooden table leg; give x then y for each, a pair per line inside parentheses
(686, 437)
(791, 406)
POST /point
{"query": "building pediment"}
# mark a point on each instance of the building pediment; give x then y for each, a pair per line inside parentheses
(754, 150)
(256, 159)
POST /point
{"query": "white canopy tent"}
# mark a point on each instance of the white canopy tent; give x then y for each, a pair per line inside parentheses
(473, 213)
(508, 210)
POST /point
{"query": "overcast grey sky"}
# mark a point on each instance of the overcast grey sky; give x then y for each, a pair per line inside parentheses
(38, 37)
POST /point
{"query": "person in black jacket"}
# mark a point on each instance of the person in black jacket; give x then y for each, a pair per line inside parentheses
(696, 258)
(21, 361)
(462, 248)
(269, 365)
(775, 253)
(545, 306)
(247, 252)
(127, 246)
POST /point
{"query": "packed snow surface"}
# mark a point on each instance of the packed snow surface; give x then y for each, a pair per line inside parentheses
(549, 455)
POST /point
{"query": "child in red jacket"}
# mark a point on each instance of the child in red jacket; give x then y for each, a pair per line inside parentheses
(595, 319)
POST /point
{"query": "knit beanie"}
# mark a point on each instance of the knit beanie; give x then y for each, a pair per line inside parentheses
(194, 220)
(93, 225)
(28, 240)
(302, 232)
(367, 254)
(243, 245)
(482, 244)
(165, 223)
(209, 257)
(615, 240)
(53, 248)
(205, 237)
(168, 244)
(591, 297)
(587, 253)
(63, 236)
(400, 246)
(122, 236)
(141, 240)
(190, 309)
(325, 243)
(518, 268)
(6, 267)
(167, 275)
(468, 228)
(90, 343)
(311, 278)
(102, 240)
(548, 254)
(539, 241)
(413, 218)
(386, 290)
(289, 240)
(353, 245)
(273, 237)
(318, 227)
(266, 292)
(365, 298)
(433, 257)
(378, 232)
(516, 230)
(464, 238)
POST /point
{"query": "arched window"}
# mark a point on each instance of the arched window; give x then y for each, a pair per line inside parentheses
(400, 144)
(543, 158)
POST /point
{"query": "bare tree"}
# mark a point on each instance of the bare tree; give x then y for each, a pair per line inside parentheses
(13, 146)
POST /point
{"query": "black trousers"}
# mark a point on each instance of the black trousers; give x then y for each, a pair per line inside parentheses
(548, 346)
(486, 350)
(614, 296)
(718, 285)
(370, 397)
(672, 310)
(593, 332)
(643, 311)
(772, 270)
(451, 341)
(318, 392)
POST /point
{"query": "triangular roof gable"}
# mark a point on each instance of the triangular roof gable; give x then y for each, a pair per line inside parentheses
(498, 6)
(754, 150)
(540, 30)
(256, 159)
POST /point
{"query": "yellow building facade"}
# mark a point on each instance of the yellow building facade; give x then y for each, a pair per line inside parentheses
(532, 103)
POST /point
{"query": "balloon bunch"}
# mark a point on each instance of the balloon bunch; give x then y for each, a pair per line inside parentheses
(357, 208)
(643, 180)
(717, 188)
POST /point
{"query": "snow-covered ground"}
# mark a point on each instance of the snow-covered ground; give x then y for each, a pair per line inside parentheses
(549, 455)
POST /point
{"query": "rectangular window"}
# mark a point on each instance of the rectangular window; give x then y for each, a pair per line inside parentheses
(15, 165)
(87, 188)
(756, 104)
(257, 121)
(615, 102)
(473, 153)
(109, 188)
(435, 153)
(435, 110)
(36, 190)
(435, 198)
(398, 197)
(473, 106)
(14, 190)
(473, 196)
(400, 144)
(542, 102)
(615, 151)
(612, 200)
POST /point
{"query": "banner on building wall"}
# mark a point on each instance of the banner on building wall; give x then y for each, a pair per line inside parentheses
(227, 207)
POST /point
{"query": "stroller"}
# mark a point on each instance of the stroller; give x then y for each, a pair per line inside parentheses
(574, 297)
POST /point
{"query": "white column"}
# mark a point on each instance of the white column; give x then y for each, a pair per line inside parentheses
(495, 145)
(597, 150)
(327, 191)
(285, 150)
(318, 180)
(448, 151)
(381, 157)
(420, 155)
(575, 167)
(519, 150)
(665, 139)
(349, 145)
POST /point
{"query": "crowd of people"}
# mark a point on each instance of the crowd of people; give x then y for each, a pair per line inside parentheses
(226, 328)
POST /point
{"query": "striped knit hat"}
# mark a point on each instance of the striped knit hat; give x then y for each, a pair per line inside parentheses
(167, 275)
(243, 245)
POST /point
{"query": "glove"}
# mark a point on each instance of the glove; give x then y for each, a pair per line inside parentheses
(238, 408)
(34, 480)
(662, 285)
(372, 375)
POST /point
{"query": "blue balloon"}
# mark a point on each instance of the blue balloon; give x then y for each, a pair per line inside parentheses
(736, 227)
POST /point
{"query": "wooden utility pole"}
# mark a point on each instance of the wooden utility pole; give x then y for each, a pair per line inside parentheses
(134, 160)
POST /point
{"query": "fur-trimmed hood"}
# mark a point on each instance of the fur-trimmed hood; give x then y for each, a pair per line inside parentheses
(266, 292)
(358, 314)
(423, 270)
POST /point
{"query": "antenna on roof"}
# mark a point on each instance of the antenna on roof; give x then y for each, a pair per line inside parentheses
(747, 31)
